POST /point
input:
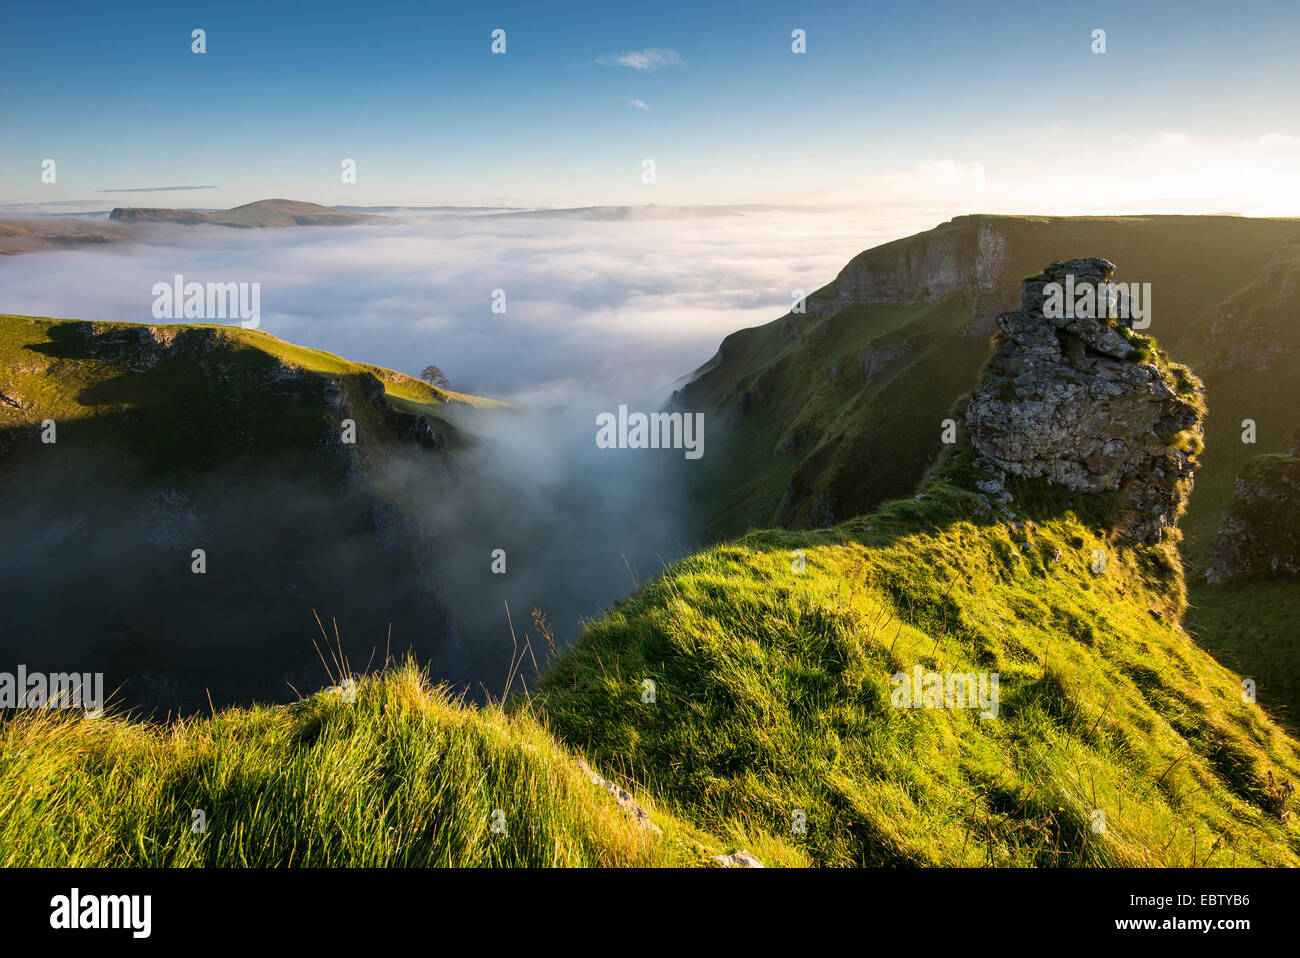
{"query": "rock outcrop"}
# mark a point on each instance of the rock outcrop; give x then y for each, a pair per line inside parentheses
(633, 809)
(1083, 402)
(904, 272)
(1260, 534)
(741, 859)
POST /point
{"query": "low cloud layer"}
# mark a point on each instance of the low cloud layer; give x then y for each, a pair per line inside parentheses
(635, 303)
(604, 308)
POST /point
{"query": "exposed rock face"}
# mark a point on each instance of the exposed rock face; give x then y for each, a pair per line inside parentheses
(1074, 400)
(1260, 534)
(919, 274)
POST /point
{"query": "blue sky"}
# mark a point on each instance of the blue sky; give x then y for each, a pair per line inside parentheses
(1004, 101)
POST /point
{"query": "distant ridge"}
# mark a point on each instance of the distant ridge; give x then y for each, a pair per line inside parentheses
(263, 213)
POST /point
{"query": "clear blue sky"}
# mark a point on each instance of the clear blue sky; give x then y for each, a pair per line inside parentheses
(412, 92)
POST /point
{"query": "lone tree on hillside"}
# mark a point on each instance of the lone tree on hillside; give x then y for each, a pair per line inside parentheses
(435, 377)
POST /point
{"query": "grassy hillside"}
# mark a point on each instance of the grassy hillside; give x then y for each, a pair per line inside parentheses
(773, 696)
(69, 370)
(403, 776)
(824, 416)
(178, 438)
(771, 727)
(55, 232)
(747, 697)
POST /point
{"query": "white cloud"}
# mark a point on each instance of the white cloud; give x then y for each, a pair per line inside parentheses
(1164, 171)
(1065, 170)
(639, 104)
(649, 59)
(634, 303)
(932, 181)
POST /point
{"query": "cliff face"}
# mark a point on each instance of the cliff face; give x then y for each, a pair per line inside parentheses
(969, 260)
(1082, 401)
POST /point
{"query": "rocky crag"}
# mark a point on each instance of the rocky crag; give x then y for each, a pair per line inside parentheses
(1084, 402)
(1260, 534)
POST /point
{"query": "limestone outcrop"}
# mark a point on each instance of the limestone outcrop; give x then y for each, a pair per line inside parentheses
(1076, 397)
(1260, 534)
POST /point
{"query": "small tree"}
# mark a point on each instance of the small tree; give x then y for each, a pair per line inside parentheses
(435, 377)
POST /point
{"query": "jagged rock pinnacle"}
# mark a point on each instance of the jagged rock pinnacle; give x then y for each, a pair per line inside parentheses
(1077, 400)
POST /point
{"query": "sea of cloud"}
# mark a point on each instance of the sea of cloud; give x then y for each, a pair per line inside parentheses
(603, 308)
(637, 301)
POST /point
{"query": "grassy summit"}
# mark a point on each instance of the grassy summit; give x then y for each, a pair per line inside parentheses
(773, 695)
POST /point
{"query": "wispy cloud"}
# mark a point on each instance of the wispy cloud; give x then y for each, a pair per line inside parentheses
(156, 189)
(639, 104)
(653, 58)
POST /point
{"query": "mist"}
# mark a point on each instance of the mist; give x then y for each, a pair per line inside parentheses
(469, 560)
(590, 303)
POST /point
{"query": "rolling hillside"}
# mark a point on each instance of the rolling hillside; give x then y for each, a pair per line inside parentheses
(770, 725)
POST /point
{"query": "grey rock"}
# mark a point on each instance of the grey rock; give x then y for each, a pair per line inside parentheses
(1260, 535)
(1064, 400)
(624, 799)
(740, 859)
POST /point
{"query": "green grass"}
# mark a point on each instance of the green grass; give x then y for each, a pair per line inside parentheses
(773, 697)
(772, 707)
(771, 710)
(406, 775)
(251, 395)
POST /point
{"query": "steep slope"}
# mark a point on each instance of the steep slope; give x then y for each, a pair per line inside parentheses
(124, 448)
(991, 673)
(403, 775)
(812, 401)
(774, 703)
(821, 416)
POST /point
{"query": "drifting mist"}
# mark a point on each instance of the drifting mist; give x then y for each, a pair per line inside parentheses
(533, 514)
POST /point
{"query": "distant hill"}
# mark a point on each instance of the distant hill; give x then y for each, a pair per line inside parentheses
(28, 236)
(263, 213)
(648, 212)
